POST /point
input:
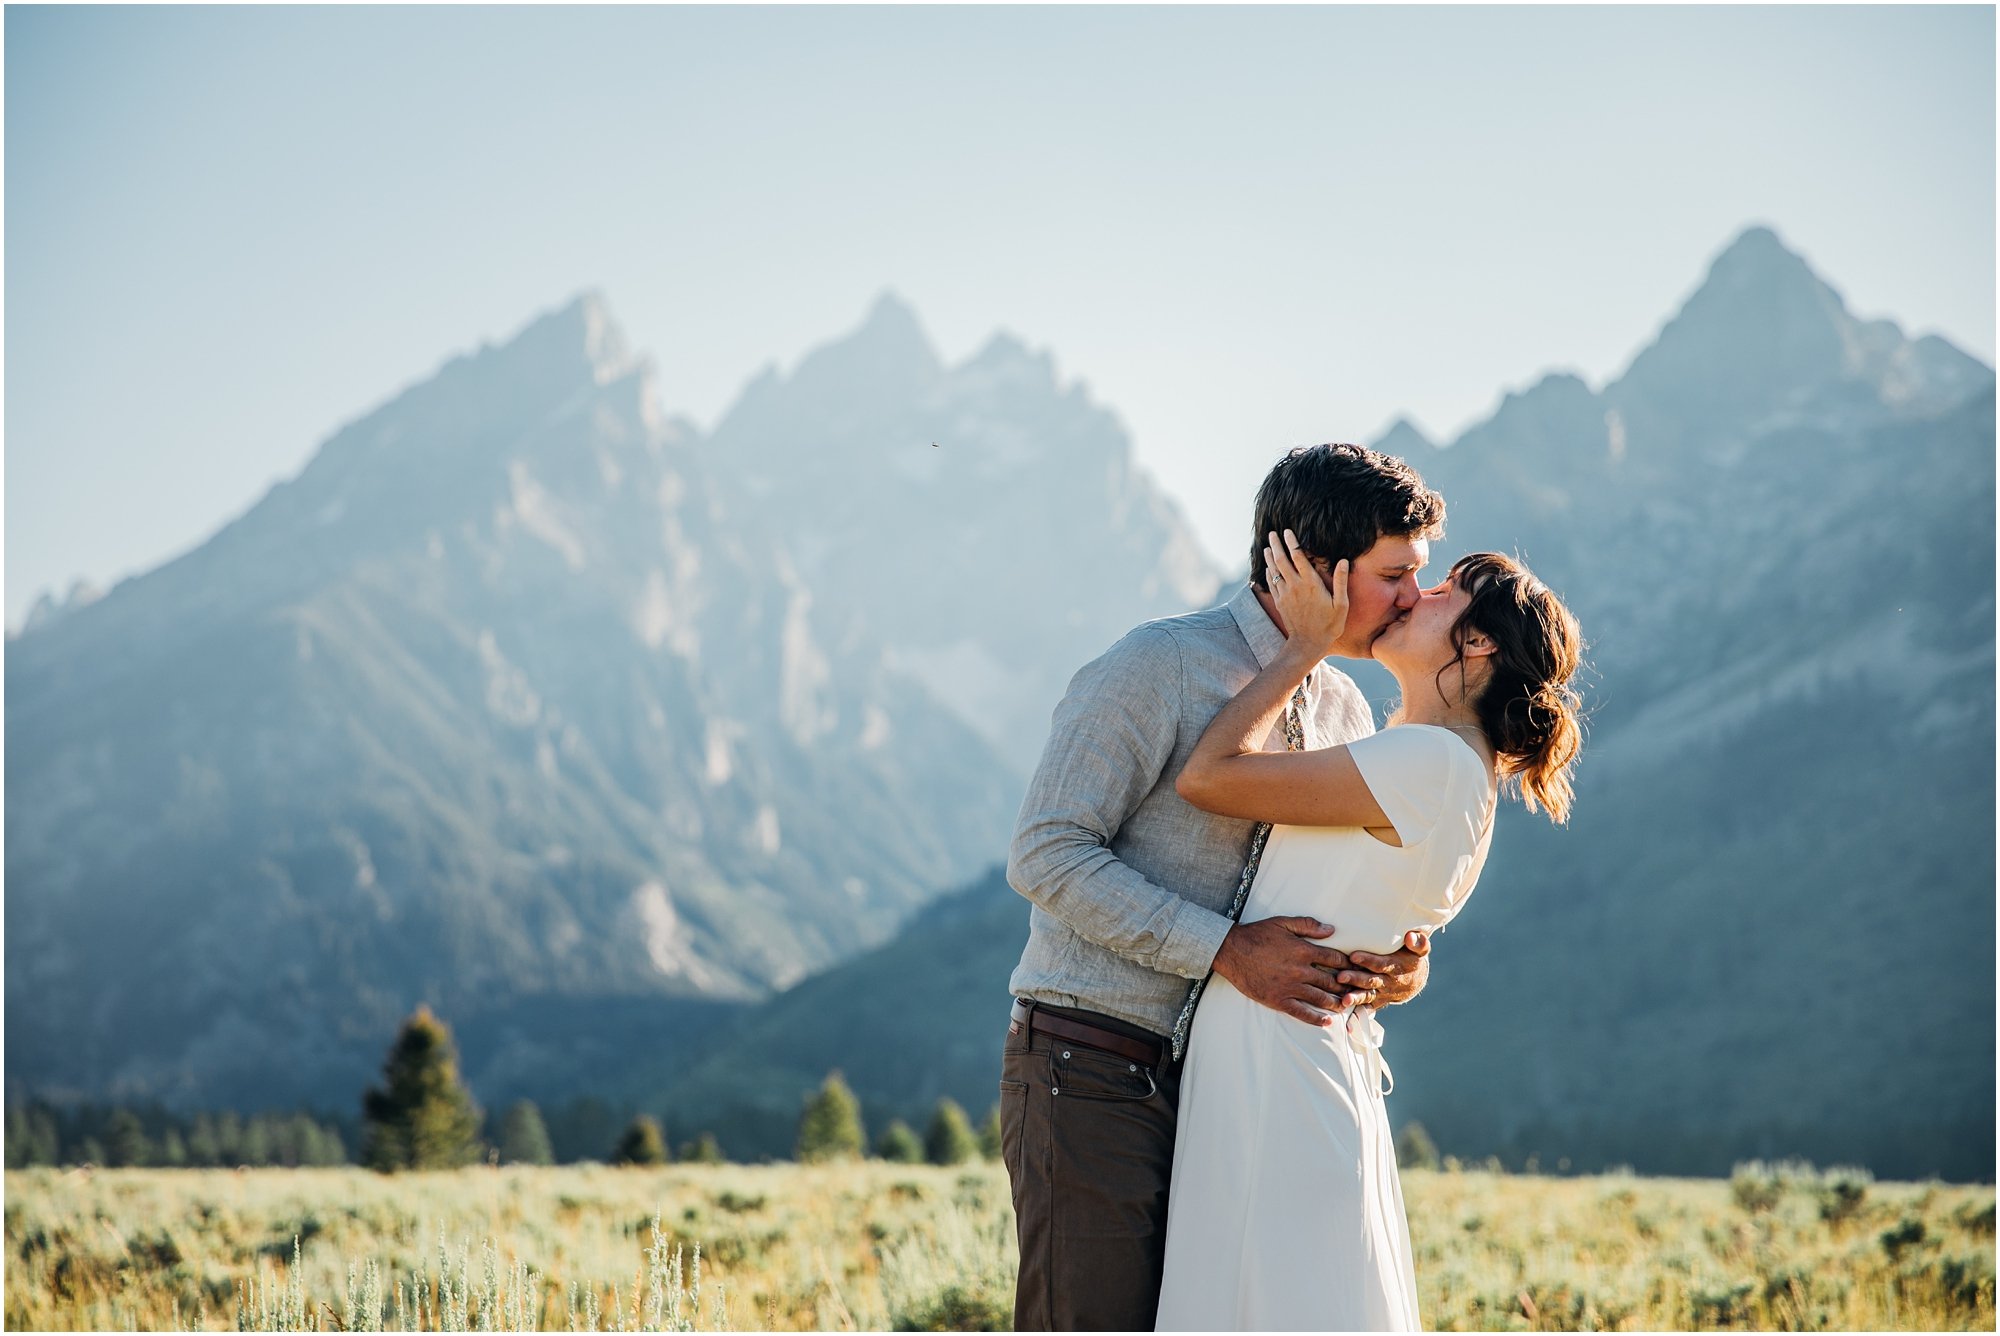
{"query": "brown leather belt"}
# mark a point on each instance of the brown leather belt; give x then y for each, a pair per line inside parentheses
(1040, 1021)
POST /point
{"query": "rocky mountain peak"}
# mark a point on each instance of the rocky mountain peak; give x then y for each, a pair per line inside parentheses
(49, 608)
(1762, 333)
(888, 358)
(582, 333)
(890, 318)
(1757, 250)
(1004, 349)
(1765, 339)
(1007, 365)
(1405, 440)
(890, 342)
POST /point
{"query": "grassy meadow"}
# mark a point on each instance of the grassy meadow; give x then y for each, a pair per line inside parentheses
(881, 1246)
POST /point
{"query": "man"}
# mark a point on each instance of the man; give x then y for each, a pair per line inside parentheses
(1132, 890)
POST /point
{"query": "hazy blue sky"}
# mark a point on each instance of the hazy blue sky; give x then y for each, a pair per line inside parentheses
(229, 230)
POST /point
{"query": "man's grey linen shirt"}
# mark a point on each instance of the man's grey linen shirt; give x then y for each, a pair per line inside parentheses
(1131, 885)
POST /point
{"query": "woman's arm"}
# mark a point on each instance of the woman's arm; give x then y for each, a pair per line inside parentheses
(1227, 774)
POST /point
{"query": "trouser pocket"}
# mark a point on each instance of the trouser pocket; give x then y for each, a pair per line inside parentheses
(1080, 1072)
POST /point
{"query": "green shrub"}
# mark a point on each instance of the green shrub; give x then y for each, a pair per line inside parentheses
(830, 1126)
(1906, 1235)
(642, 1143)
(1975, 1219)
(524, 1137)
(1724, 1305)
(1842, 1191)
(1415, 1149)
(955, 1308)
(950, 1138)
(989, 1134)
(1755, 1187)
(899, 1145)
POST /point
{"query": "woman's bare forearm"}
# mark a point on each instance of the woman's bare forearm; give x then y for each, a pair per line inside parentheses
(1241, 726)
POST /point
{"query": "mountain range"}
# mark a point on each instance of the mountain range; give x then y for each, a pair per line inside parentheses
(530, 703)
(674, 766)
(1767, 930)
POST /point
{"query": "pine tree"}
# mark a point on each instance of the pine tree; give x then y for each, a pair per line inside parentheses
(125, 1140)
(524, 1138)
(173, 1150)
(254, 1147)
(332, 1150)
(950, 1139)
(47, 1135)
(989, 1134)
(1415, 1149)
(643, 1142)
(31, 1136)
(899, 1145)
(204, 1150)
(830, 1127)
(319, 1144)
(704, 1149)
(229, 1139)
(422, 1116)
(301, 1139)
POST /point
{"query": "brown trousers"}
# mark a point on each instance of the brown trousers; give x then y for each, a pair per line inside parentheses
(1088, 1138)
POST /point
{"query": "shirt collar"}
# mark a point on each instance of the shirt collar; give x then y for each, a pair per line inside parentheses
(1256, 625)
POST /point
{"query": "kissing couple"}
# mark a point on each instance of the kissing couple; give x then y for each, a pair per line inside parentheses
(1232, 871)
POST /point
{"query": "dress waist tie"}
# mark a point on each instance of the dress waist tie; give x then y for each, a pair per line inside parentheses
(1364, 1036)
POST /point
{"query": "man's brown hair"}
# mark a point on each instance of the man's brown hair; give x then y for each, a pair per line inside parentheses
(1338, 500)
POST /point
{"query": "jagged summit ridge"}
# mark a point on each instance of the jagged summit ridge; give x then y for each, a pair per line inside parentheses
(1404, 438)
(889, 353)
(1764, 336)
(892, 318)
(509, 691)
(874, 455)
(583, 328)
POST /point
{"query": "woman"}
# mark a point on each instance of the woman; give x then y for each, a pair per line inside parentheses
(1285, 1210)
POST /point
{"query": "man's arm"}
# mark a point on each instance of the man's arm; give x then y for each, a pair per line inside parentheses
(1109, 742)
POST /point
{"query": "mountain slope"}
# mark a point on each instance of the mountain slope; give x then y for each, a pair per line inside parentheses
(495, 702)
(1776, 529)
(916, 1019)
(1767, 930)
(984, 523)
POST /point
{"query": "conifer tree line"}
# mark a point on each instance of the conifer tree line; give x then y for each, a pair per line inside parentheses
(116, 1137)
(830, 1128)
(421, 1115)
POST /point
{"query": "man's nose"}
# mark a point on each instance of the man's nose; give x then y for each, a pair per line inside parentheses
(1407, 593)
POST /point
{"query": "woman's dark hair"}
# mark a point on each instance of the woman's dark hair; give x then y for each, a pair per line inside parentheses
(1339, 499)
(1527, 708)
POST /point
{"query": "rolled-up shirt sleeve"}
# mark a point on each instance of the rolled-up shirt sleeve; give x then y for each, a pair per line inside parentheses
(1110, 741)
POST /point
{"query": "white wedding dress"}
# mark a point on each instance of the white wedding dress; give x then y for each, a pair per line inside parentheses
(1285, 1211)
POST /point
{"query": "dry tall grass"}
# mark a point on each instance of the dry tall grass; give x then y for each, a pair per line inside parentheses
(875, 1246)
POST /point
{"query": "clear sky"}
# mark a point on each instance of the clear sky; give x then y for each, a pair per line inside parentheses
(229, 230)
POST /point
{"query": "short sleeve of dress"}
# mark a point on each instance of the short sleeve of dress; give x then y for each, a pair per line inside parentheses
(1409, 771)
